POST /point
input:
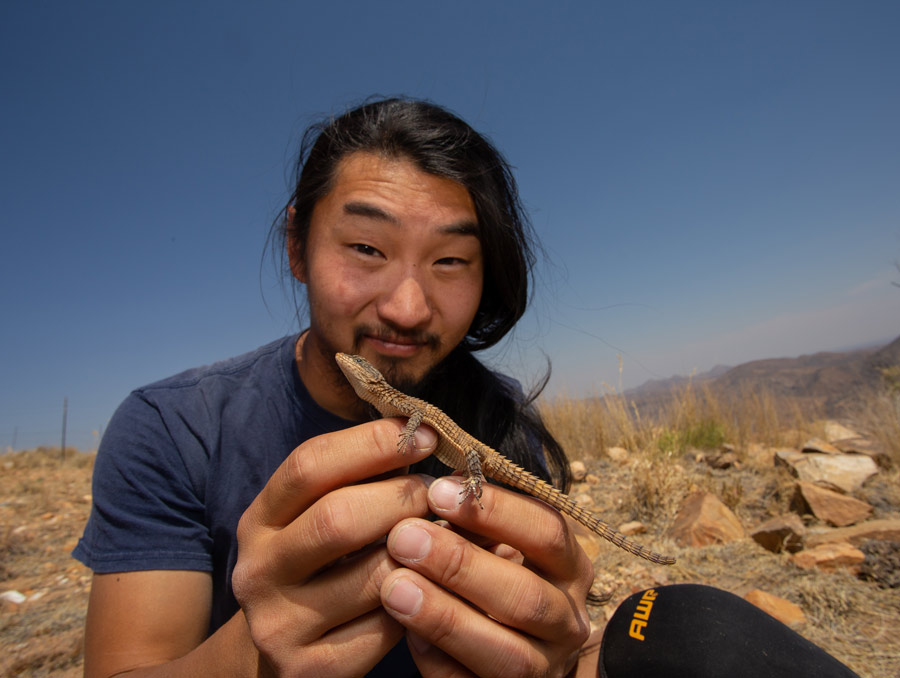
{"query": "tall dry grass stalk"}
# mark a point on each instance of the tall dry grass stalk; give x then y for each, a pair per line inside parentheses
(693, 416)
(880, 417)
(579, 425)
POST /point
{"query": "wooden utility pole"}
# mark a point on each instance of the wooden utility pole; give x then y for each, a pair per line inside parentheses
(65, 412)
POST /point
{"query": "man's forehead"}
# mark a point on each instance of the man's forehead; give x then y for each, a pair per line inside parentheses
(374, 186)
(375, 167)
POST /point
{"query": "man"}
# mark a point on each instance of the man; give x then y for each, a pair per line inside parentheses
(246, 524)
(406, 230)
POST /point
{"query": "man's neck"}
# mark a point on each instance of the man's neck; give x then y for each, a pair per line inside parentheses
(324, 381)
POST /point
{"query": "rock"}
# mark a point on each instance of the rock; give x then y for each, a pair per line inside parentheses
(723, 460)
(578, 469)
(632, 528)
(836, 431)
(784, 533)
(14, 597)
(783, 610)
(592, 479)
(842, 472)
(584, 499)
(830, 557)
(703, 519)
(618, 454)
(865, 447)
(788, 458)
(882, 564)
(819, 445)
(888, 529)
(591, 545)
(835, 509)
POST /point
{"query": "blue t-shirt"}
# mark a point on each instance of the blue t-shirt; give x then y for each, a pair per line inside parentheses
(183, 458)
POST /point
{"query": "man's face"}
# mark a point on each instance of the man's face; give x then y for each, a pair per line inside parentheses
(393, 266)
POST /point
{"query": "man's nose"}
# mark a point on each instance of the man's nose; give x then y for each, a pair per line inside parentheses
(407, 304)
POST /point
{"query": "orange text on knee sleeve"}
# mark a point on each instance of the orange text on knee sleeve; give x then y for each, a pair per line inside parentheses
(642, 614)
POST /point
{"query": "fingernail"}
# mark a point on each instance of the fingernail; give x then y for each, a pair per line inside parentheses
(427, 479)
(411, 542)
(417, 643)
(444, 494)
(426, 438)
(404, 597)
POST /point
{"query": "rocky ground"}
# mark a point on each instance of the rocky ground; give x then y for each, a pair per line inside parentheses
(809, 534)
(826, 563)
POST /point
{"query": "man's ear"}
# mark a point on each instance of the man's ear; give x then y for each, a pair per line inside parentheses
(295, 251)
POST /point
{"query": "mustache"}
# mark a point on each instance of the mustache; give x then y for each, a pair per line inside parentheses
(395, 335)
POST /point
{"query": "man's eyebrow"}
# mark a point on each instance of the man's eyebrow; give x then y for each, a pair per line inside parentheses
(364, 209)
(461, 228)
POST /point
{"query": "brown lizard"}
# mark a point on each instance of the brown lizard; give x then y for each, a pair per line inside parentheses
(461, 451)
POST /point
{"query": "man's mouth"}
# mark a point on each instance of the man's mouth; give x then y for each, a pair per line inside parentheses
(394, 345)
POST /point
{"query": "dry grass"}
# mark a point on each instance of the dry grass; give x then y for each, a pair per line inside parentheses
(695, 416)
(47, 458)
(880, 417)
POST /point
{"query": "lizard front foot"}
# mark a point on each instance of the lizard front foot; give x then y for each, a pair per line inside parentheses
(408, 437)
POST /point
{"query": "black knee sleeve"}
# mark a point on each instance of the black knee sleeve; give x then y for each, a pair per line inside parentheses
(694, 631)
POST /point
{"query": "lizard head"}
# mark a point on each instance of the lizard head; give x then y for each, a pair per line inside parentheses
(360, 373)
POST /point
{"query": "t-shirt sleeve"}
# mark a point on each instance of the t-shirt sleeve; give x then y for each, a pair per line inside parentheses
(148, 512)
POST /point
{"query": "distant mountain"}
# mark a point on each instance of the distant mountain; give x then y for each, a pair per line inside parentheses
(830, 382)
(887, 356)
(666, 385)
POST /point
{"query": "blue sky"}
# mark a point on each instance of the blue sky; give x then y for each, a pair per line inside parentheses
(713, 182)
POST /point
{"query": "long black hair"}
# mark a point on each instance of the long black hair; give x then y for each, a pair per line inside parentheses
(439, 142)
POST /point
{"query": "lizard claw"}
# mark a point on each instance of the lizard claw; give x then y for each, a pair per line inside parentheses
(471, 487)
(405, 442)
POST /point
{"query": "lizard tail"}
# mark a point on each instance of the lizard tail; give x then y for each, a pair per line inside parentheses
(515, 476)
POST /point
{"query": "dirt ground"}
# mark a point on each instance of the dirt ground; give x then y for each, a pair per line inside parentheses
(45, 502)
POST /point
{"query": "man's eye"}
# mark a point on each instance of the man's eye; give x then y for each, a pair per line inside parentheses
(367, 250)
(451, 261)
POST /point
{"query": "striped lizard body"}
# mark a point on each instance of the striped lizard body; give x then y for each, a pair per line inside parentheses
(459, 450)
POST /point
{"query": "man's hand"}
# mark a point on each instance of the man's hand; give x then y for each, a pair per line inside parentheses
(308, 577)
(517, 609)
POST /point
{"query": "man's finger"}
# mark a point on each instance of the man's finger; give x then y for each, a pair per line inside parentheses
(334, 460)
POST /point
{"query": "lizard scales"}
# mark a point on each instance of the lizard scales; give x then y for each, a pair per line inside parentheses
(459, 450)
